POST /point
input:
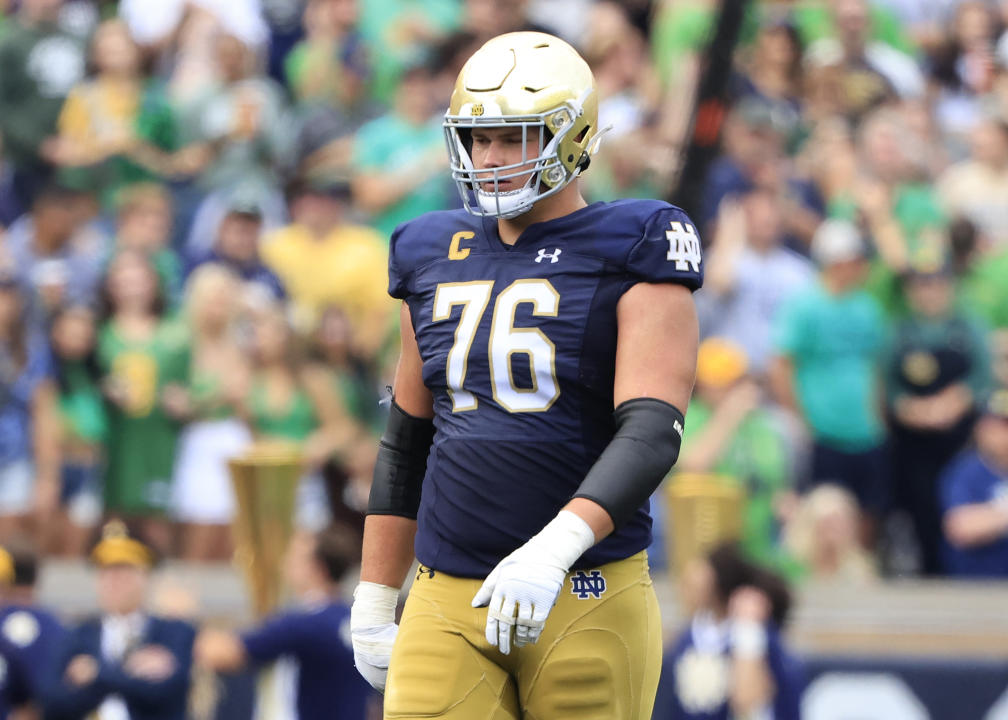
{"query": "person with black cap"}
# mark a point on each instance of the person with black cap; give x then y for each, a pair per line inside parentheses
(937, 371)
(236, 245)
(30, 636)
(974, 498)
(125, 664)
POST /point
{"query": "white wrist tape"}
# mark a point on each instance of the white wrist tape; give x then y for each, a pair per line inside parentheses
(374, 605)
(748, 639)
(564, 539)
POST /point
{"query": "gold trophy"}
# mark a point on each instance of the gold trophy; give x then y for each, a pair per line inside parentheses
(265, 481)
(704, 509)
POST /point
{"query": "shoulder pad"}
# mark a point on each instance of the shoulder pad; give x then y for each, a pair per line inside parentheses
(422, 240)
(668, 249)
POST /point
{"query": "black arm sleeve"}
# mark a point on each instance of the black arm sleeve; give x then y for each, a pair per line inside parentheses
(637, 459)
(401, 464)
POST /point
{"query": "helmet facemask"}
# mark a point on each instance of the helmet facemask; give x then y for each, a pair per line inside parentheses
(547, 174)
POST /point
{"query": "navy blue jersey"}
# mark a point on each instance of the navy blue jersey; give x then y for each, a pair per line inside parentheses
(518, 346)
(696, 679)
(971, 480)
(328, 685)
(30, 638)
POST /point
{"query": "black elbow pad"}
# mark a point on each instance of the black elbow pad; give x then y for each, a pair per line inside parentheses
(640, 455)
(401, 464)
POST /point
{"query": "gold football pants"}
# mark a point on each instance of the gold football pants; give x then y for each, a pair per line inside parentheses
(598, 658)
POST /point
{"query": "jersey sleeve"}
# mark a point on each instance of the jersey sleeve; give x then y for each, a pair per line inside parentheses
(669, 250)
(398, 277)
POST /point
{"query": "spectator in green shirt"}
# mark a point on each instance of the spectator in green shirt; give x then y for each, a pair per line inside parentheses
(731, 433)
(106, 117)
(982, 270)
(399, 158)
(40, 65)
(83, 424)
(828, 341)
(331, 66)
(144, 359)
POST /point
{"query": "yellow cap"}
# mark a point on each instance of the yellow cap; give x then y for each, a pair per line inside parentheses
(997, 403)
(117, 548)
(720, 362)
(6, 567)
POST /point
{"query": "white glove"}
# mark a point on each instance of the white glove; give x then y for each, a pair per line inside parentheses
(373, 630)
(524, 586)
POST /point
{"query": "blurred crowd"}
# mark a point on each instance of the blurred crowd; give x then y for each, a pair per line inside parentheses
(196, 198)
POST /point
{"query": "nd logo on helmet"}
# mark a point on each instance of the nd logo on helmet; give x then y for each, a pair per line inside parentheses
(477, 110)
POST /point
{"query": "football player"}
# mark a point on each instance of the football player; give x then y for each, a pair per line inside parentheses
(548, 353)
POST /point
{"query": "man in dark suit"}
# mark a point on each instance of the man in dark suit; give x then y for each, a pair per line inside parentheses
(125, 664)
(30, 636)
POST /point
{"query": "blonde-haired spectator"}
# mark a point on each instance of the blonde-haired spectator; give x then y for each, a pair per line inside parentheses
(218, 378)
(823, 537)
(292, 403)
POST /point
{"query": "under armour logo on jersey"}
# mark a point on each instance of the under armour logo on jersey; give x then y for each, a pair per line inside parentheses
(684, 246)
(553, 256)
(585, 584)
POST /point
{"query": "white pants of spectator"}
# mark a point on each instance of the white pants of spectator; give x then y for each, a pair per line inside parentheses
(201, 491)
(17, 481)
(311, 510)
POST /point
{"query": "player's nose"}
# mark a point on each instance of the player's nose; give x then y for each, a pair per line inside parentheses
(494, 156)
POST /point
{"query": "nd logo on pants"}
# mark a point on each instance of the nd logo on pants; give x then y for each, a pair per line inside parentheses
(599, 656)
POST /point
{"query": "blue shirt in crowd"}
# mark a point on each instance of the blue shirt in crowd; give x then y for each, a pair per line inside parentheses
(318, 638)
(968, 480)
(696, 676)
(17, 389)
(29, 640)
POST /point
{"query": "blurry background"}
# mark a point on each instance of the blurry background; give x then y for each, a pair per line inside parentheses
(196, 198)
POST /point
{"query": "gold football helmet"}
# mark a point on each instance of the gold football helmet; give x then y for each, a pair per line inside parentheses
(535, 81)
